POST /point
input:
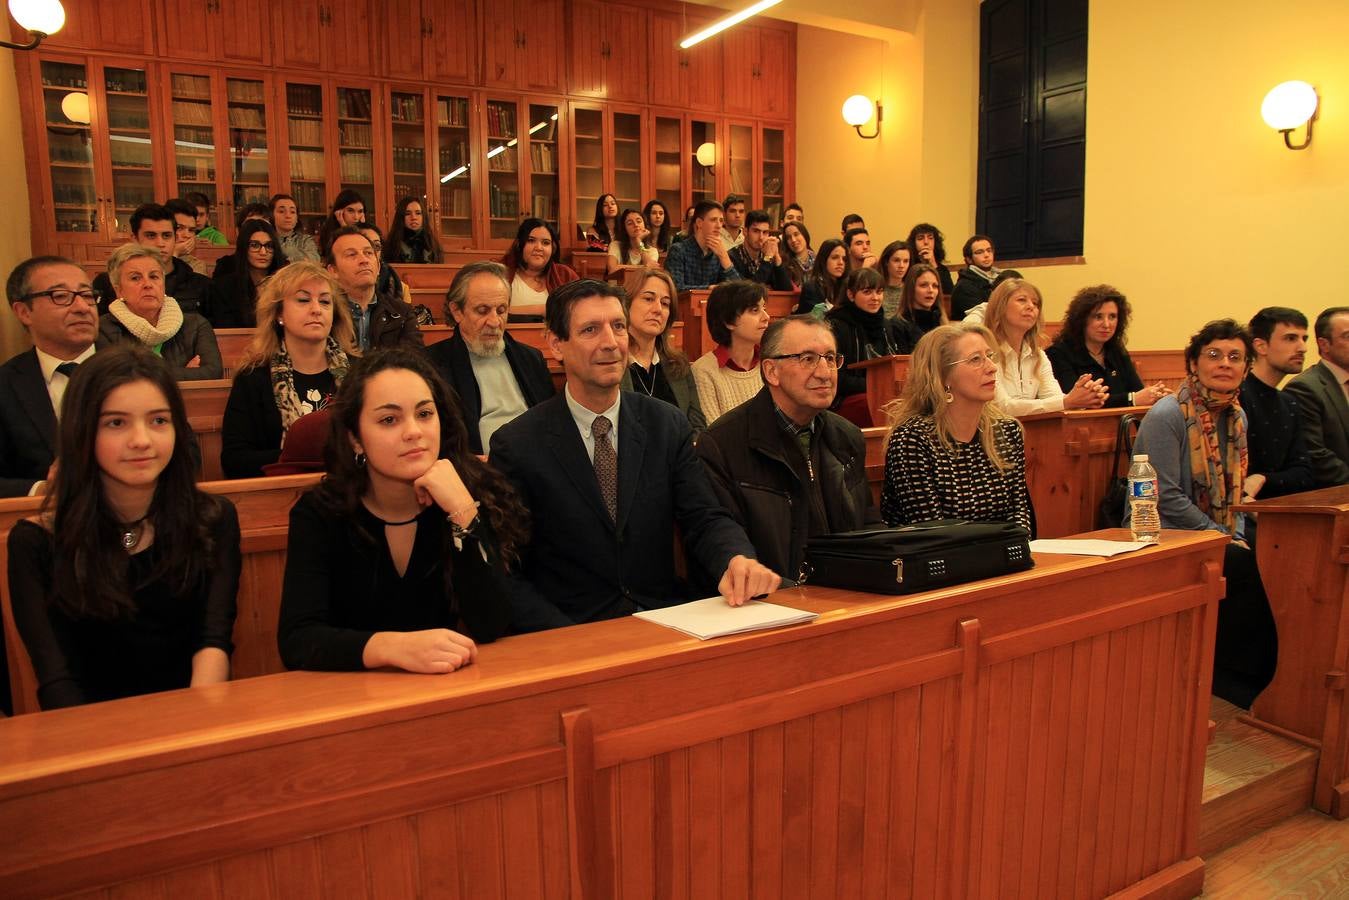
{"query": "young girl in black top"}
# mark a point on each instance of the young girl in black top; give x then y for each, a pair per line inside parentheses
(412, 239)
(398, 558)
(125, 583)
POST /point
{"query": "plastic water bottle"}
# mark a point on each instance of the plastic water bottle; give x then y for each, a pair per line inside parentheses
(1144, 520)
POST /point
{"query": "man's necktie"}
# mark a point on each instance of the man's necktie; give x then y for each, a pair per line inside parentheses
(606, 465)
(68, 369)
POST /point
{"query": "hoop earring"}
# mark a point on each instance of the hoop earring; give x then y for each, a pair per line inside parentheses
(948, 396)
(360, 460)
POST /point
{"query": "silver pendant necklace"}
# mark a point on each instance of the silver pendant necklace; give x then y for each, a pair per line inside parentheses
(132, 532)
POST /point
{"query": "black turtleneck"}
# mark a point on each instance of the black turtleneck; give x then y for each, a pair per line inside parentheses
(861, 336)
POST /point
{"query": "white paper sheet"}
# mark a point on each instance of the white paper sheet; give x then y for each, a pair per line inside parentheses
(714, 617)
(1087, 547)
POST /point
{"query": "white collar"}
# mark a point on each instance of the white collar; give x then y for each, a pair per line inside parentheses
(48, 363)
(585, 419)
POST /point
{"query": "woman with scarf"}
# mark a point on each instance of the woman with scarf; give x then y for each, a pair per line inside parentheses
(411, 239)
(1196, 440)
(863, 332)
(143, 314)
(295, 363)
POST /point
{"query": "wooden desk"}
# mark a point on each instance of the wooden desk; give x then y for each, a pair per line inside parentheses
(1167, 366)
(264, 506)
(1038, 734)
(885, 381)
(1302, 548)
(1068, 457)
(693, 313)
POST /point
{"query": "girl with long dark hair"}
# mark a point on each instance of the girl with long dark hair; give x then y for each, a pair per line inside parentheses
(257, 256)
(125, 583)
(348, 209)
(658, 220)
(605, 226)
(411, 237)
(825, 286)
(630, 249)
(398, 558)
(533, 269)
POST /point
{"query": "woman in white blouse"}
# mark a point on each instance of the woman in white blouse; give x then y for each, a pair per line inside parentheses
(1026, 382)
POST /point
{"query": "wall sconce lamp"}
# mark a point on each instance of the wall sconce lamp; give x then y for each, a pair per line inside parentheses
(857, 112)
(706, 154)
(75, 107)
(1290, 106)
(40, 18)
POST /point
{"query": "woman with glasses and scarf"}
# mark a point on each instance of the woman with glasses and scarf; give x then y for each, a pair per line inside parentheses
(1196, 441)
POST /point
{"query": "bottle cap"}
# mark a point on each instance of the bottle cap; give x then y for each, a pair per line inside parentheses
(1141, 457)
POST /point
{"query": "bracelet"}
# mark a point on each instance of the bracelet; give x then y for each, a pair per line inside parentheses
(459, 512)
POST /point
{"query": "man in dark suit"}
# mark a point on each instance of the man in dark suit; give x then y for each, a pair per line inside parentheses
(496, 377)
(604, 510)
(53, 299)
(1322, 394)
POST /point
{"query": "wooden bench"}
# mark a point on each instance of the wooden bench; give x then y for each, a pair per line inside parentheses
(264, 506)
(1041, 733)
(693, 313)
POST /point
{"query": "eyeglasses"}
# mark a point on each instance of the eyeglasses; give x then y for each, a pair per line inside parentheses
(63, 297)
(1235, 357)
(977, 361)
(260, 247)
(810, 359)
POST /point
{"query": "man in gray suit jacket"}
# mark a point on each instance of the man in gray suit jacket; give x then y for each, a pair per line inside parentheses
(1322, 393)
(53, 299)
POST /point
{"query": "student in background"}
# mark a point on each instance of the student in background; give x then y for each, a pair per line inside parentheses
(686, 232)
(348, 209)
(977, 278)
(1322, 394)
(398, 558)
(300, 352)
(125, 583)
(1092, 342)
(205, 230)
(894, 264)
(920, 309)
(927, 246)
(234, 295)
(605, 225)
(412, 239)
(825, 287)
(228, 265)
(851, 221)
(800, 257)
(793, 214)
(295, 244)
(379, 320)
(759, 257)
(662, 227)
(533, 269)
(656, 367)
(629, 249)
(733, 229)
(1278, 460)
(728, 375)
(705, 260)
(185, 234)
(951, 452)
(142, 314)
(858, 242)
(863, 332)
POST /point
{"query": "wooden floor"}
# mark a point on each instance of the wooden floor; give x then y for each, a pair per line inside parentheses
(1306, 856)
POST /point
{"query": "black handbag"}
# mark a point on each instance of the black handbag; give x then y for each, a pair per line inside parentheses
(1111, 511)
(916, 557)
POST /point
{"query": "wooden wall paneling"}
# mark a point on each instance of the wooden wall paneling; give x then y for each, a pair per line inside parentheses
(405, 40)
(183, 28)
(740, 56)
(299, 29)
(349, 41)
(90, 23)
(626, 64)
(586, 63)
(542, 29)
(669, 65)
(453, 39)
(705, 69)
(501, 49)
(243, 33)
(772, 74)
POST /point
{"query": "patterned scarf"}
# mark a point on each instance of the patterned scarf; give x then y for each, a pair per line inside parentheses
(288, 401)
(170, 321)
(1217, 477)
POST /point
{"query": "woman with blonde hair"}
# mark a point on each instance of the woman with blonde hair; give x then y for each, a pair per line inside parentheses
(951, 453)
(656, 367)
(298, 357)
(1026, 383)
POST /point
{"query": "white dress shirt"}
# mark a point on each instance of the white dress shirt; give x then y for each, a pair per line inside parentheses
(55, 381)
(585, 419)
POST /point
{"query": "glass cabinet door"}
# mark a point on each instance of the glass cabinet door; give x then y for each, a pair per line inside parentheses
(250, 166)
(544, 194)
(194, 150)
(668, 177)
(628, 155)
(127, 110)
(407, 113)
(355, 130)
(307, 155)
(740, 162)
(706, 155)
(454, 209)
(65, 100)
(588, 140)
(503, 169)
(774, 174)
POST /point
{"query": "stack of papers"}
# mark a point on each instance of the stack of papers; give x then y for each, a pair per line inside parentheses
(1088, 547)
(714, 617)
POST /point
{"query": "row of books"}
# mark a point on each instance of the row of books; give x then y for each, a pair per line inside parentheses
(353, 104)
(452, 111)
(191, 113)
(545, 207)
(307, 165)
(309, 197)
(543, 158)
(192, 86)
(244, 91)
(456, 202)
(502, 203)
(357, 167)
(353, 134)
(306, 132)
(500, 120)
(406, 107)
(505, 161)
(246, 117)
(304, 100)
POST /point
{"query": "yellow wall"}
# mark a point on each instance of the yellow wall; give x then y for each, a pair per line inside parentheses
(15, 234)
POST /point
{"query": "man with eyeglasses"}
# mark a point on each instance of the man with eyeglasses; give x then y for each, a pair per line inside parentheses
(52, 298)
(784, 465)
(155, 226)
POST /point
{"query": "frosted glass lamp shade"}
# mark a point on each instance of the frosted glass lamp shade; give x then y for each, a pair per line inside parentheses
(857, 110)
(706, 154)
(1289, 105)
(42, 16)
(75, 105)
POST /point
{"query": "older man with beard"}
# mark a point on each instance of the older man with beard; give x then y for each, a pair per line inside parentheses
(495, 376)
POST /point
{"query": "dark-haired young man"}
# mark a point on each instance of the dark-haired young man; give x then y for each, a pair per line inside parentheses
(857, 240)
(850, 221)
(793, 213)
(606, 476)
(185, 234)
(1278, 461)
(733, 232)
(759, 258)
(977, 278)
(155, 226)
(1322, 394)
(205, 230)
(926, 245)
(705, 260)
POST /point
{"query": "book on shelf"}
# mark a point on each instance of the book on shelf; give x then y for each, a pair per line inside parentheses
(452, 111)
(543, 208)
(505, 161)
(353, 134)
(543, 159)
(357, 167)
(353, 104)
(500, 120)
(245, 117)
(243, 91)
(198, 86)
(304, 100)
(188, 113)
(307, 165)
(457, 202)
(306, 132)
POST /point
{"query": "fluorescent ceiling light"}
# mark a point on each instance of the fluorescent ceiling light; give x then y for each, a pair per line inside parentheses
(722, 24)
